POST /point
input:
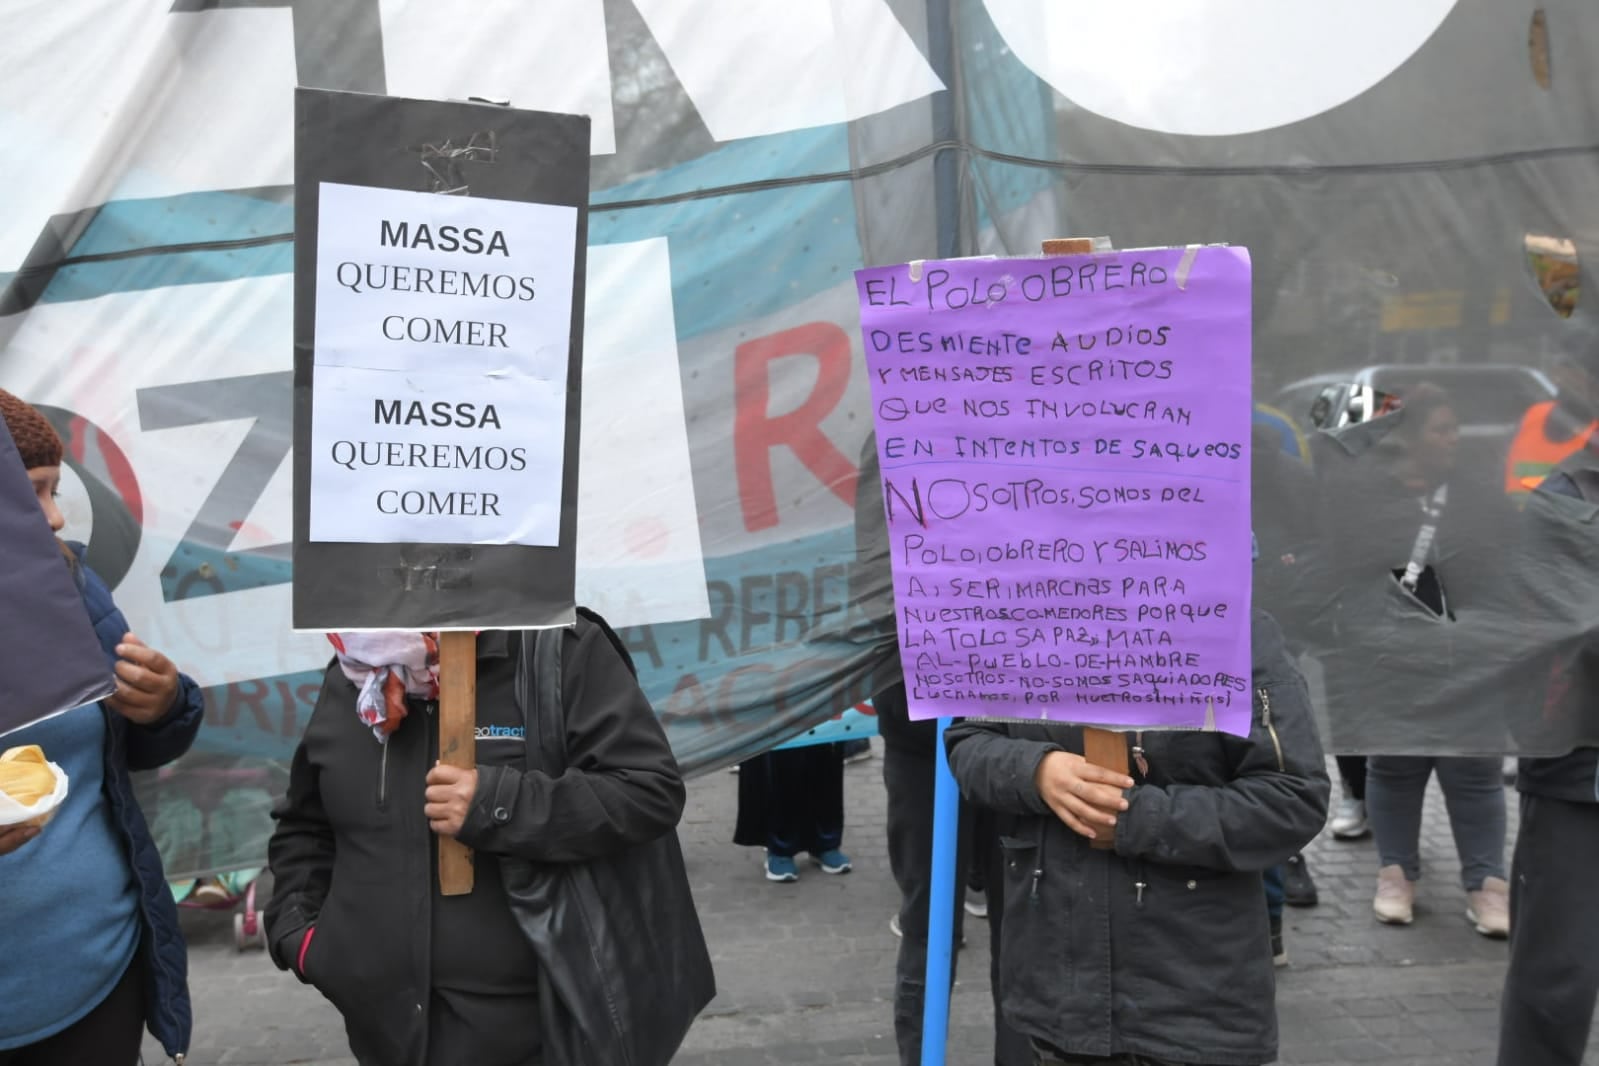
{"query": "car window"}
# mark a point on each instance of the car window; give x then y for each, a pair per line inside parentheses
(1479, 397)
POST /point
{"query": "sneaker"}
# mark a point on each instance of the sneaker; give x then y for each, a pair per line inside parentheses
(1396, 897)
(1299, 890)
(211, 893)
(893, 927)
(1350, 821)
(833, 861)
(976, 903)
(1279, 953)
(781, 868)
(1488, 908)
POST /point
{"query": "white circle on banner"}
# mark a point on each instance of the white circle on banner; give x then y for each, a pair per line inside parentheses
(1214, 67)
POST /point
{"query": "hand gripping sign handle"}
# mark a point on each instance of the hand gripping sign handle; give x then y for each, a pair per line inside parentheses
(1102, 747)
(457, 743)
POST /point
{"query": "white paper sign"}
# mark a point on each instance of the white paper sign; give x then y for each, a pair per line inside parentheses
(443, 331)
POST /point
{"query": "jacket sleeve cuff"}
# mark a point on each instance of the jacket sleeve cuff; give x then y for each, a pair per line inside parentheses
(1028, 755)
(287, 946)
(493, 806)
(185, 701)
(1138, 827)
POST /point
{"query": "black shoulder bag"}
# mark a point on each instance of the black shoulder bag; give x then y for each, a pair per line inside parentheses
(624, 969)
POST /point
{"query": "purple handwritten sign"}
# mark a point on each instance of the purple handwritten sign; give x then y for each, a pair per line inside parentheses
(1065, 458)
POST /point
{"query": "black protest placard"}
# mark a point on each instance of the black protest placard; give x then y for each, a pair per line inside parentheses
(49, 655)
(439, 264)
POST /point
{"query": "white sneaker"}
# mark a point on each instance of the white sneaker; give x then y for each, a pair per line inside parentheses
(1396, 897)
(1488, 908)
(1350, 821)
(976, 903)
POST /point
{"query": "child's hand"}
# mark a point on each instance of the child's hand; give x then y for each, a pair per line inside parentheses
(147, 682)
(1081, 794)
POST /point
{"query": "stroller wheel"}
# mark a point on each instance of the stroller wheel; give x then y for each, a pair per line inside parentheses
(248, 936)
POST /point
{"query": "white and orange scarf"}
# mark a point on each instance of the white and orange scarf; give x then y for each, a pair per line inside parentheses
(385, 668)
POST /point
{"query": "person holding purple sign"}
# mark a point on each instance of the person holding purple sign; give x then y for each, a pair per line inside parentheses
(87, 892)
(1156, 952)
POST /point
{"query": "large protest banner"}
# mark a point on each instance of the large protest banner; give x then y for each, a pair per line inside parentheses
(438, 350)
(1065, 454)
(42, 618)
(747, 159)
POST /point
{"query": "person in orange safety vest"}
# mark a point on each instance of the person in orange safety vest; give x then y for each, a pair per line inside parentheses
(1557, 429)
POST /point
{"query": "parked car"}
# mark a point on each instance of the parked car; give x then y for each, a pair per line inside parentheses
(1489, 399)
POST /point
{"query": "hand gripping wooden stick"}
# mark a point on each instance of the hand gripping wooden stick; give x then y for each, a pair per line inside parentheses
(457, 743)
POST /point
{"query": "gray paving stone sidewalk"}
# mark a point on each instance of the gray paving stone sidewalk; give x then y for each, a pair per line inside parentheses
(806, 970)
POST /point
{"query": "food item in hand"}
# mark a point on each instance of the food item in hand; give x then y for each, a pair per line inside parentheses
(25, 776)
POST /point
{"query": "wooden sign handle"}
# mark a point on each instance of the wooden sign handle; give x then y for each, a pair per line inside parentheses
(1107, 748)
(1101, 747)
(457, 743)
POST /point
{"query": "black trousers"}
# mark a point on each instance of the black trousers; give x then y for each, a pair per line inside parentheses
(792, 800)
(1553, 980)
(1352, 768)
(908, 778)
(109, 1035)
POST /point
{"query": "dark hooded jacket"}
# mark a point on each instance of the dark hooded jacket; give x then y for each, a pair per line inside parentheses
(130, 747)
(1160, 948)
(356, 910)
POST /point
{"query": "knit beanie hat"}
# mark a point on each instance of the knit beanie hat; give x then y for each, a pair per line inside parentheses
(36, 438)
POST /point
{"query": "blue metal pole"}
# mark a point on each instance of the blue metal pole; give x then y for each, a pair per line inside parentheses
(941, 916)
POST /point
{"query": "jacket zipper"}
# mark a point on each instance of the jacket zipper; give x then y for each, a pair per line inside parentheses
(1038, 861)
(1265, 717)
(383, 776)
(1141, 764)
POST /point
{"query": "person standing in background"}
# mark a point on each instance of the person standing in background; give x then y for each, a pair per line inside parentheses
(791, 802)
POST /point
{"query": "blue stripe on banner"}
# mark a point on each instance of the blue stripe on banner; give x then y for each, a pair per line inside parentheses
(86, 281)
(851, 725)
(190, 218)
(820, 150)
(800, 239)
(744, 257)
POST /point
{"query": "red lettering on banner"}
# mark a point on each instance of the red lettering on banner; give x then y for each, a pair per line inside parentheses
(756, 432)
(247, 695)
(686, 701)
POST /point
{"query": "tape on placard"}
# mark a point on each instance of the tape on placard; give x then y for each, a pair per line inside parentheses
(1186, 264)
(916, 269)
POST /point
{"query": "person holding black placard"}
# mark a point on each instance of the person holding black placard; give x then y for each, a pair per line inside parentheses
(420, 977)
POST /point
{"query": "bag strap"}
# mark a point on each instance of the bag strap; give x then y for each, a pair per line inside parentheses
(1432, 512)
(538, 684)
(611, 635)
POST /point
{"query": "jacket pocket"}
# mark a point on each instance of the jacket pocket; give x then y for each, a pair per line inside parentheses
(1024, 869)
(1037, 939)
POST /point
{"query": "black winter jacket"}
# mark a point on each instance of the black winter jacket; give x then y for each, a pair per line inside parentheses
(1161, 948)
(353, 857)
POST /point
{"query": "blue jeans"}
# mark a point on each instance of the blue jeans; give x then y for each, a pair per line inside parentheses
(1275, 890)
(1474, 792)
